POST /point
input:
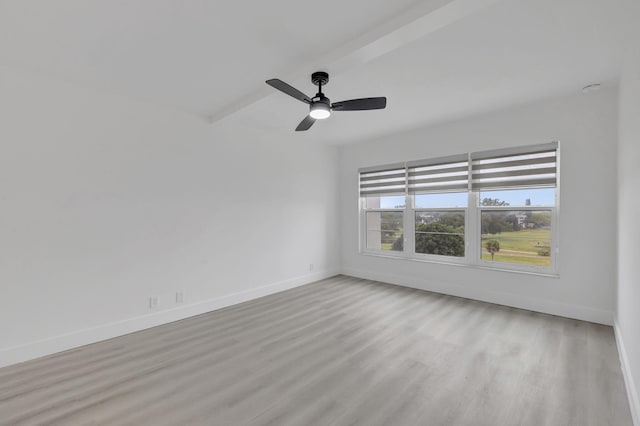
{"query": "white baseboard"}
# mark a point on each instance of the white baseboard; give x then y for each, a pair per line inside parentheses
(51, 345)
(632, 390)
(538, 305)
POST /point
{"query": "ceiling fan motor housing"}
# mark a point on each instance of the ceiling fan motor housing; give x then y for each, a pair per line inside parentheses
(320, 78)
(322, 99)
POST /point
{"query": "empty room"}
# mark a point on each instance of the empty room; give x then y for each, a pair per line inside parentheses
(410, 212)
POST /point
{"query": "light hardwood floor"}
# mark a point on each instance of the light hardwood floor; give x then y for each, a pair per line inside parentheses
(340, 351)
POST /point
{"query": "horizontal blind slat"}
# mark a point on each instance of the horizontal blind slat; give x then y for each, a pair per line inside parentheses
(533, 183)
(381, 192)
(514, 163)
(438, 179)
(527, 172)
(438, 171)
(381, 184)
(449, 187)
(395, 175)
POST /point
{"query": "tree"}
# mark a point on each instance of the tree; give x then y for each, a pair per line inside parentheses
(439, 238)
(495, 223)
(540, 220)
(456, 220)
(512, 221)
(499, 221)
(493, 246)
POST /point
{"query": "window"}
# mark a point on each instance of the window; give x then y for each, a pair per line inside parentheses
(384, 230)
(439, 224)
(493, 209)
(520, 235)
(440, 232)
(382, 190)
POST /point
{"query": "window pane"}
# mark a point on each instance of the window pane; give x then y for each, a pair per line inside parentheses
(519, 197)
(450, 199)
(517, 237)
(385, 202)
(440, 232)
(384, 231)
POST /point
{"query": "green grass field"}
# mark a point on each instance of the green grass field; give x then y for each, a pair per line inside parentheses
(520, 246)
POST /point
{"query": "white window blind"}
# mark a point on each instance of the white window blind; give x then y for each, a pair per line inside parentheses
(383, 180)
(523, 167)
(446, 174)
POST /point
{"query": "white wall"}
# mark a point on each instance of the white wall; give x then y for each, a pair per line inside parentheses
(585, 125)
(628, 306)
(105, 201)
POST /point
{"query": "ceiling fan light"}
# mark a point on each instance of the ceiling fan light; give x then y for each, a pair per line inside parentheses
(320, 111)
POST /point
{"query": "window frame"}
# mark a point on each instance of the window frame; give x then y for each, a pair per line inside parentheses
(552, 269)
(472, 233)
(439, 257)
(364, 230)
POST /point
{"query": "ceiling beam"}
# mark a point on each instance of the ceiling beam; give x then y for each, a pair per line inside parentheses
(416, 22)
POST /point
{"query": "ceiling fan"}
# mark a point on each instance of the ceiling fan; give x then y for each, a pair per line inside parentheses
(320, 106)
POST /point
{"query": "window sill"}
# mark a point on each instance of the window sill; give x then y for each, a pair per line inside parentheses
(463, 265)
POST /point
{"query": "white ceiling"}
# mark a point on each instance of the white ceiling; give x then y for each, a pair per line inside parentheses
(206, 56)
(196, 55)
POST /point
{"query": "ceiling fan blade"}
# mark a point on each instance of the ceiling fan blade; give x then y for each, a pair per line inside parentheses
(289, 90)
(360, 104)
(305, 124)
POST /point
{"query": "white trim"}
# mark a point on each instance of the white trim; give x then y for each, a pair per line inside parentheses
(567, 310)
(632, 389)
(74, 339)
(445, 261)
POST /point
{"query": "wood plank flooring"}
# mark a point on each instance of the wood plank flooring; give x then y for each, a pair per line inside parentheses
(342, 351)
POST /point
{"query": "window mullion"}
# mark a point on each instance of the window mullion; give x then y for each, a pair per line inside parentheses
(473, 228)
(362, 243)
(409, 227)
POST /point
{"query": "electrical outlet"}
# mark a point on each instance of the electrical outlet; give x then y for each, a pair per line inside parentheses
(153, 302)
(311, 267)
(179, 297)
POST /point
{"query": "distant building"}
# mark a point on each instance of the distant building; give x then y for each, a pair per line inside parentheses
(522, 219)
(427, 219)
